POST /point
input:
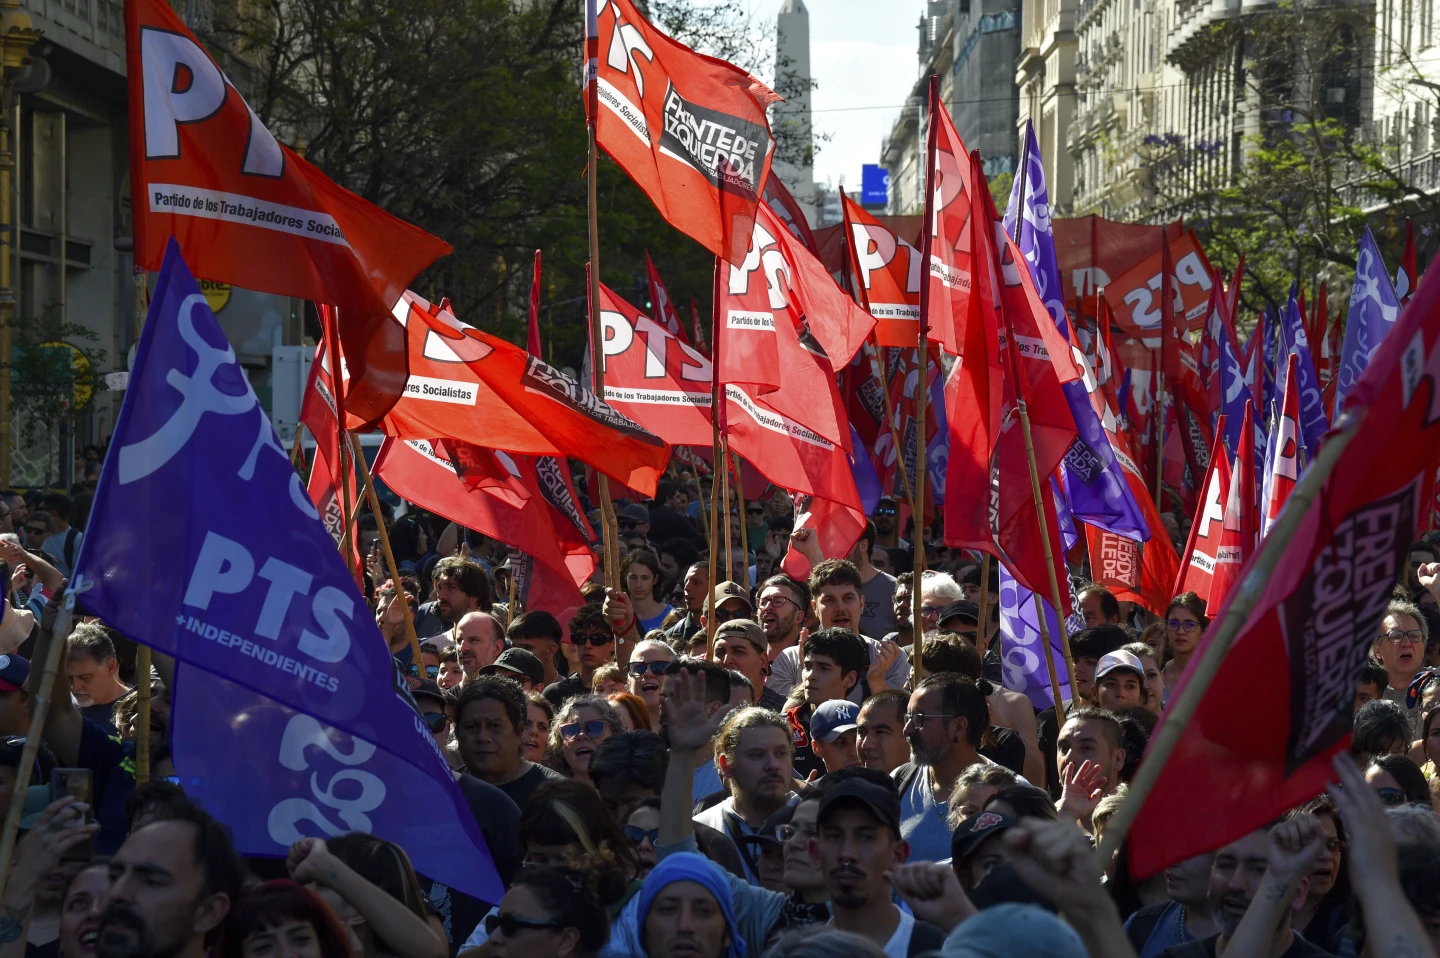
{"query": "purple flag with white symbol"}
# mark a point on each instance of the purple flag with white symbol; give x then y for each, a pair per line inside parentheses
(1095, 487)
(1313, 421)
(203, 544)
(1022, 651)
(1374, 307)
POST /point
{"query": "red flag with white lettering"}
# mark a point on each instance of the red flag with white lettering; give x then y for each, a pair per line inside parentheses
(245, 209)
(1282, 459)
(689, 129)
(1198, 571)
(1241, 530)
(653, 377)
(661, 305)
(477, 388)
(954, 221)
(787, 209)
(1319, 609)
(888, 273)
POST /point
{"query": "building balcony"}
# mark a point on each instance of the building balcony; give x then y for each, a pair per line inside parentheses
(93, 29)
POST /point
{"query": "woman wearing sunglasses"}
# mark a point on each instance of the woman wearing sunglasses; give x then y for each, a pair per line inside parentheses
(1185, 625)
(1397, 781)
(554, 911)
(643, 829)
(581, 725)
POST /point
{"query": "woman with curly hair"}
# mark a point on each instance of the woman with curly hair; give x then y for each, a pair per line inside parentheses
(582, 723)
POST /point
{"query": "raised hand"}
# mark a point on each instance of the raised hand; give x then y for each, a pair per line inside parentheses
(618, 611)
(59, 828)
(1081, 790)
(885, 655)
(309, 860)
(1295, 845)
(687, 725)
(933, 893)
(1371, 851)
(805, 542)
(1428, 575)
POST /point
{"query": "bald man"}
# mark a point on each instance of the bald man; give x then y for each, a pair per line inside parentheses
(479, 640)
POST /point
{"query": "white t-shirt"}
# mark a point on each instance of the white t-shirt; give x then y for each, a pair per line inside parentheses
(785, 671)
(899, 944)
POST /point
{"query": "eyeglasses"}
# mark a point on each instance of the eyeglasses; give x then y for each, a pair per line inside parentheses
(637, 834)
(884, 511)
(435, 721)
(626, 526)
(510, 925)
(776, 599)
(571, 730)
(1391, 797)
(787, 833)
(928, 611)
(592, 638)
(36, 530)
(918, 719)
(432, 671)
(1182, 625)
(1396, 636)
(654, 668)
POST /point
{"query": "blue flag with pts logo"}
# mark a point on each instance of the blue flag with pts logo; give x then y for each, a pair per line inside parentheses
(290, 718)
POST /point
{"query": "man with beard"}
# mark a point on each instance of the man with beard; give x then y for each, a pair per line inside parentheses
(1185, 917)
(754, 755)
(946, 718)
(479, 638)
(784, 606)
(171, 883)
(460, 586)
(858, 838)
(697, 584)
(837, 592)
(886, 518)
(94, 673)
(1271, 873)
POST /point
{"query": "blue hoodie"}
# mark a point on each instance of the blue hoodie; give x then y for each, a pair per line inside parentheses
(627, 932)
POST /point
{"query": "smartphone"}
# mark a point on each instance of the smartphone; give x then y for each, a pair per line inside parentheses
(80, 783)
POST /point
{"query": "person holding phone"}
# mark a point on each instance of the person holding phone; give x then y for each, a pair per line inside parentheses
(30, 910)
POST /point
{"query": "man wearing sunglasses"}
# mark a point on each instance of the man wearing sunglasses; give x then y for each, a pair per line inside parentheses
(887, 524)
(590, 633)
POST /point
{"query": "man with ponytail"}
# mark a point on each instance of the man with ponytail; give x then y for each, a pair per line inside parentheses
(944, 723)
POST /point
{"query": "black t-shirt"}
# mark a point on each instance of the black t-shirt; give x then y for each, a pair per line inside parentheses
(499, 820)
(51, 949)
(112, 768)
(519, 790)
(101, 715)
(1006, 748)
(558, 692)
(1205, 948)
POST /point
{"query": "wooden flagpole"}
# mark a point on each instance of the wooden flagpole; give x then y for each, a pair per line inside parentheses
(1222, 635)
(1042, 618)
(744, 532)
(359, 456)
(922, 334)
(1023, 405)
(337, 388)
(723, 461)
(609, 530)
(984, 632)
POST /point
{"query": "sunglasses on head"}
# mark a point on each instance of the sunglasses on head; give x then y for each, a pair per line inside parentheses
(571, 730)
(654, 668)
(435, 721)
(637, 834)
(592, 638)
(511, 925)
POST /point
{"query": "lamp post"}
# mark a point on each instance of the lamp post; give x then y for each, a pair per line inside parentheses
(17, 36)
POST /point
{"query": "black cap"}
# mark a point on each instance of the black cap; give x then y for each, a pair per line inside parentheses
(429, 689)
(879, 799)
(767, 835)
(963, 608)
(517, 661)
(973, 831)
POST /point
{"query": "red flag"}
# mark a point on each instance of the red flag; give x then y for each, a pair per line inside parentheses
(1241, 529)
(837, 528)
(689, 129)
(661, 305)
(1316, 618)
(477, 388)
(245, 209)
(1407, 276)
(1283, 459)
(414, 471)
(533, 345)
(1198, 572)
(653, 377)
(785, 207)
(952, 237)
(319, 414)
(1170, 328)
(887, 271)
(701, 341)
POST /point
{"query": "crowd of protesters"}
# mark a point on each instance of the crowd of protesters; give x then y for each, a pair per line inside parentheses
(814, 780)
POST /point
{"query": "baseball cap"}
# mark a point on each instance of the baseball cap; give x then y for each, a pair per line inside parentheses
(1111, 661)
(429, 689)
(960, 608)
(636, 513)
(832, 719)
(884, 802)
(975, 830)
(15, 627)
(14, 670)
(517, 661)
(768, 834)
(746, 628)
(732, 590)
(1014, 931)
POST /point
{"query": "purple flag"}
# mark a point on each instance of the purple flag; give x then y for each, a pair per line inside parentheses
(1313, 422)
(203, 544)
(1096, 488)
(1374, 307)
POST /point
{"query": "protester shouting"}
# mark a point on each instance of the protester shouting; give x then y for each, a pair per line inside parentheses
(648, 662)
(581, 724)
(1400, 647)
